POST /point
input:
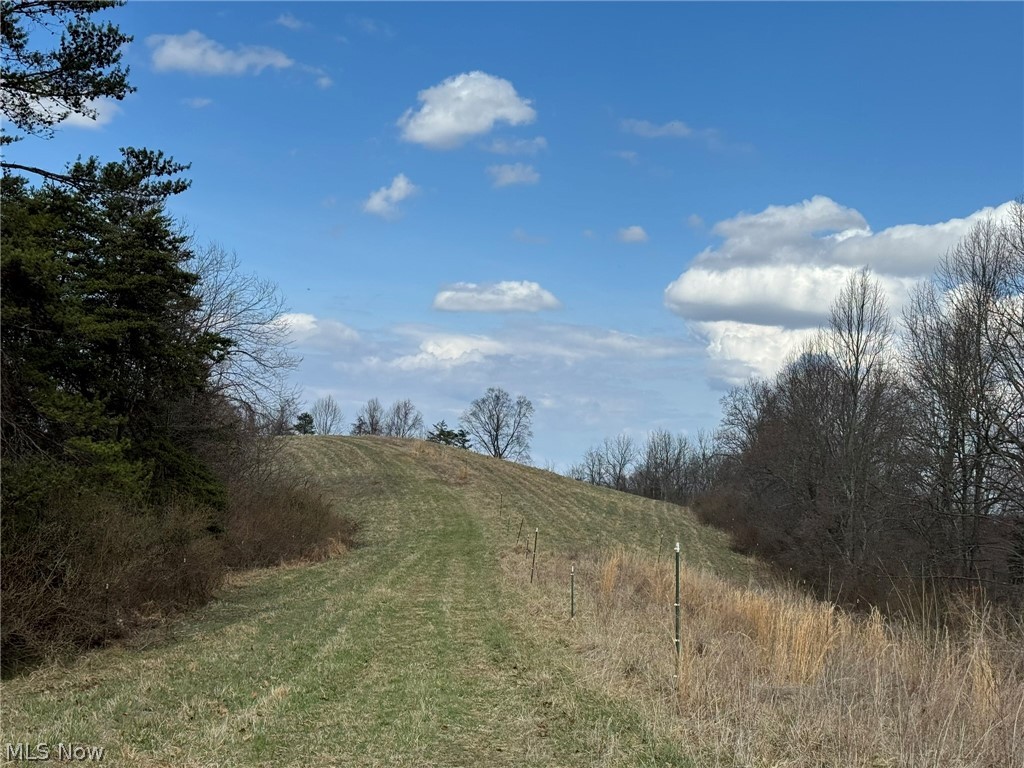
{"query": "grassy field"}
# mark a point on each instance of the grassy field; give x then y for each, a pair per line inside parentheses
(429, 645)
(413, 649)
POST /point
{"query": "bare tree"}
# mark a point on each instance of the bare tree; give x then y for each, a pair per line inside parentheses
(280, 418)
(248, 310)
(403, 420)
(868, 413)
(662, 467)
(369, 419)
(960, 328)
(501, 426)
(620, 453)
(327, 415)
(591, 469)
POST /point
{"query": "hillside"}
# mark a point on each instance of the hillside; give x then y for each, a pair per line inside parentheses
(430, 645)
(409, 650)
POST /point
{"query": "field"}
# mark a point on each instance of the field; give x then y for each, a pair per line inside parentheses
(429, 645)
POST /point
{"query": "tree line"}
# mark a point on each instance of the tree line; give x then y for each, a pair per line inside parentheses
(495, 424)
(665, 467)
(887, 451)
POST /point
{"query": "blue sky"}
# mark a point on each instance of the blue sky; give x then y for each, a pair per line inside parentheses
(618, 210)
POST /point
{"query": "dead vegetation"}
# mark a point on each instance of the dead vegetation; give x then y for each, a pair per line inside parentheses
(771, 677)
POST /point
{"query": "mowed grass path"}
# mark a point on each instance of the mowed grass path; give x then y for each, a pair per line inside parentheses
(412, 650)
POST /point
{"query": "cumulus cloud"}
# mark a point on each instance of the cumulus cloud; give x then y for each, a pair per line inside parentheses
(384, 202)
(105, 110)
(517, 146)
(446, 351)
(770, 282)
(740, 350)
(518, 173)
(790, 295)
(461, 107)
(321, 333)
(506, 296)
(194, 52)
(632, 234)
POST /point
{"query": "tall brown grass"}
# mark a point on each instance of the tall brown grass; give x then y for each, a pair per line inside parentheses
(771, 677)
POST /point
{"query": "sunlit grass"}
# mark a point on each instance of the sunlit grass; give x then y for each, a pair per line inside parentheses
(426, 645)
(770, 677)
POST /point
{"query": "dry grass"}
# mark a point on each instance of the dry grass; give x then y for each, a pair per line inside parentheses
(770, 677)
(418, 648)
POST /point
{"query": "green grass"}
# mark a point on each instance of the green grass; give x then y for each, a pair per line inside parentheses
(413, 649)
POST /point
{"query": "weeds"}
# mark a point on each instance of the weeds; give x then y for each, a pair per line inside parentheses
(769, 676)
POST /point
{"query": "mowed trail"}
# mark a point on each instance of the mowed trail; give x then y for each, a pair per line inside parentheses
(411, 650)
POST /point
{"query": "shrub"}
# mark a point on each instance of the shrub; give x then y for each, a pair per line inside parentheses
(275, 520)
(92, 567)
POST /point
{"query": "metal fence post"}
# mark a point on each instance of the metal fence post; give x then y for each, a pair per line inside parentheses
(572, 591)
(533, 567)
(677, 603)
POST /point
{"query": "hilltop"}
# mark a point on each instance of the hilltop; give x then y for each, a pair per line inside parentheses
(434, 643)
(410, 649)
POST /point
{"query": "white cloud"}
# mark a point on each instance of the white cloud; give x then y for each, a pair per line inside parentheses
(323, 81)
(677, 129)
(628, 155)
(291, 22)
(740, 350)
(632, 234)
(197, 103)
(790, 295)
(694, 221)
(196, 53)
(106, 110)
(550, 345)
(384, 202)
(445, 351)
(772, 279)
(587, 382)
(674, 128)
(321, 333)
(461, 107)
(518, 173)
(506, 296)
(517, 146)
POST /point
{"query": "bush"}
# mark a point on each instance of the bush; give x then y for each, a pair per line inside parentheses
(93, 567)
(272, 521)
(84, 567)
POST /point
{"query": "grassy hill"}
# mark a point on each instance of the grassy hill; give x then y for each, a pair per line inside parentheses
(428, 645)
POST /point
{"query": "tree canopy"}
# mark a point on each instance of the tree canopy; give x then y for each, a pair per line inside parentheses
(499, 425)
(42, 87)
